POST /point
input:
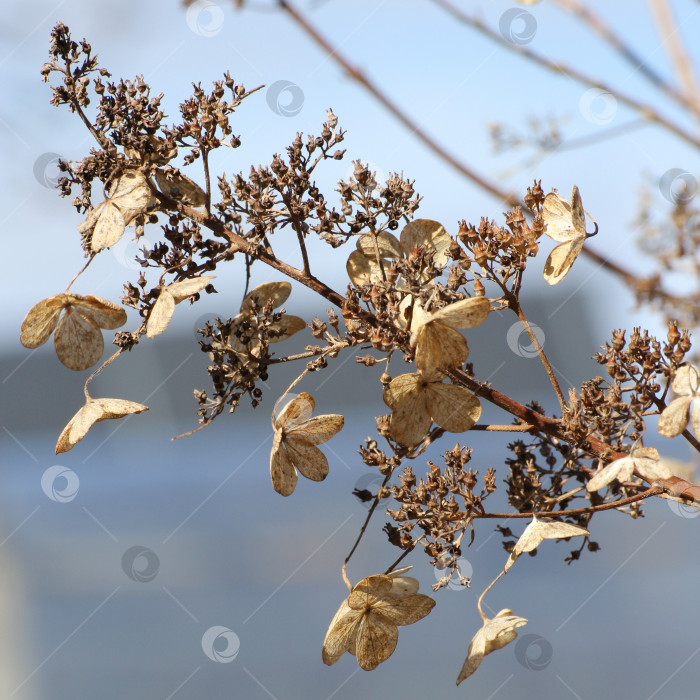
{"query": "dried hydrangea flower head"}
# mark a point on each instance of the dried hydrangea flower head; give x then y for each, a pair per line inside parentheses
(77, 320)
(645, 460)
(493, 635)
(417, 400)
(363, 266)
(436, 337)
(564, 222)
(366, 622)
(674, 418)
(294, 445)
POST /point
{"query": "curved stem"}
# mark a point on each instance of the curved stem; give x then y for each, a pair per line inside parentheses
(481, 597)
(80, 272)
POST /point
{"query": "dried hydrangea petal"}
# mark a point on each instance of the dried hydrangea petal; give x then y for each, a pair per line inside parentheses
(362, 270)
(277, 292)
(296, 411)
(78, 340)
(105, 313)
(282, 472)
(317, 430)
(307, 458)
(388, 245)
(375, 641)
(429, 234)
(438, 346)
(540, 529)
(109, 228)
(92, 412)
(561, 259)
(452, 407)
(41, 321)
(181, 187)
(163, 309)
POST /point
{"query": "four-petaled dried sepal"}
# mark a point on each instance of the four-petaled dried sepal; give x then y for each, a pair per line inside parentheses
(366, 622)
(294, 446)
(78, 321)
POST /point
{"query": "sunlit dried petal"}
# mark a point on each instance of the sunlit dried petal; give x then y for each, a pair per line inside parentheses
(466, 313)
(565, 223)
(277, 292)
(317, 430)
(296, 411)
(78, 340)
(180, 186)
(187, 288)
(438, 346)
(452, 407)
(282, 471)
(105, 313)
(287, 326)
(41, 321)
(540, 529)
(388, 245)
(163, 309)
(494, 634)
(376, 640)
(92, 412)
(109, 228)
(644, 459)
(341, 633)
(307, 458)
(362, 270)
(410, 419)
(685, 381)
(429, 234)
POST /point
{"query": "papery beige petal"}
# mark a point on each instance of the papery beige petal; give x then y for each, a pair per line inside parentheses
(621, 469)
(85, 227)
(375, 640)
(540, 529)
(466, 313)
(557, 218)
(652, 469)
(674, 417)
(105, 313)
(368, 590)
(317, 430)
(695, 416)
(406, 609)
(494, 634)
(109, 228)
(288, 325)
(307, 458)
(78, 340)
(388, 244)
(186, 288)
(277, 292)
(296, 411)
(41, 321)
(452, 407)
(92, 412)
(430, 234)
(437, 346)
(410, 419)
(282, 472)
(180, 186)
(685, 381)
(403, 585)
(161, 313)
(578, 216)
(341, 632)
(561, 259)
(362, 270)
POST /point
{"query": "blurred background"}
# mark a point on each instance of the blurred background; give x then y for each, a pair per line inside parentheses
(137, 567)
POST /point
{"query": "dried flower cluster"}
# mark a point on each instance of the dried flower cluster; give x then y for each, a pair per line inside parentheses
(410, 297)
